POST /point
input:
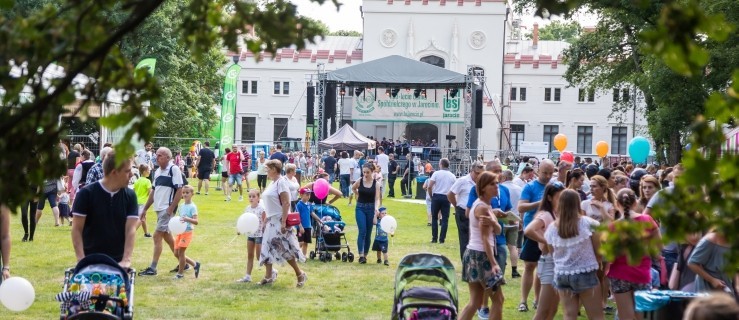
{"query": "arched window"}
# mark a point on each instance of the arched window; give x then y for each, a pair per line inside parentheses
(435, 60)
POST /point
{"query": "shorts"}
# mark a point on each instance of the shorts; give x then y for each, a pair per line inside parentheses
(64, 210)
(224, 174)
(256, 240)
(183, 240)
(511, 235)
(530, 251)
(141, 209)
(623, 286)
(476, 267)
(576, 283)
(234, 178)
(501, 256)
(204, 174)
(545, 269)
(306, 237)
(379, 245)
(162, 221)
(52, 200)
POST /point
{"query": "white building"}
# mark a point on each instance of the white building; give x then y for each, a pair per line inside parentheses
(454, 35)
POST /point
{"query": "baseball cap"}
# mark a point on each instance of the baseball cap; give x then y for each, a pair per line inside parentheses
(305, 190)
(382, 209)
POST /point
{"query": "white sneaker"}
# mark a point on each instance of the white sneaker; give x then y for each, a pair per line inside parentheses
(246, 278)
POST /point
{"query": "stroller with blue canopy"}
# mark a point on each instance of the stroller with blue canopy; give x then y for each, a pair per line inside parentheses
(330, 237)
(416, 302)
(97, 288)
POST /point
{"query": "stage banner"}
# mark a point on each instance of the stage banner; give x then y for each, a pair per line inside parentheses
(436, 106)
(228, 106)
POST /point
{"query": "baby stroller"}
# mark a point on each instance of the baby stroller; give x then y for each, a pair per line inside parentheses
(97, 288)
(330, 238)
(425, 302)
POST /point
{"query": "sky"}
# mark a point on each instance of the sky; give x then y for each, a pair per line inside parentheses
(349, 18)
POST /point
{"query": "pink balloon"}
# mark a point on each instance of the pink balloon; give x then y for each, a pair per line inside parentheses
(320, 188)
(567, 156)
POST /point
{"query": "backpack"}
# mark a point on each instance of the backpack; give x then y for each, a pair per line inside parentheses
(184, 177)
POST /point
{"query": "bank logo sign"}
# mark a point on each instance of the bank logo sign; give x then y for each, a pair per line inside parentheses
(436, 106)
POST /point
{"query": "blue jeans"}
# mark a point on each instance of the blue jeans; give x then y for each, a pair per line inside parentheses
(344, 184)
(365, 213)
(501, 257)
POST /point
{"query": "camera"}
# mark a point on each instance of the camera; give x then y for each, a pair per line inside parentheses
(493, 283)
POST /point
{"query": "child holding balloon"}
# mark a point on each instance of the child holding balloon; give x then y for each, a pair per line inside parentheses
(254, 240)
(381, 243)
(189, 215)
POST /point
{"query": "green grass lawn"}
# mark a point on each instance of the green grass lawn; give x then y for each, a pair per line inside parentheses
(335, 290)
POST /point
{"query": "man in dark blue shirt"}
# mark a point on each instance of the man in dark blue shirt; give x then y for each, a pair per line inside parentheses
(278, 155)
(106, 215)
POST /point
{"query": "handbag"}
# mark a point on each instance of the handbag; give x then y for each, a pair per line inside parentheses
(293, 219)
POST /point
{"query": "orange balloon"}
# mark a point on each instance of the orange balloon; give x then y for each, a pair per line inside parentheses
(560, 142)
(601, 148)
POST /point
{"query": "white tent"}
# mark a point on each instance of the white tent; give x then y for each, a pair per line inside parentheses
(347, 138)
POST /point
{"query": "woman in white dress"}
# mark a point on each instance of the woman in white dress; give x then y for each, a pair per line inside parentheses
(293, 184)
(279, 243)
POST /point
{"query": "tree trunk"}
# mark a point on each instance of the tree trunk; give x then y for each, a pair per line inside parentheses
(675, 150)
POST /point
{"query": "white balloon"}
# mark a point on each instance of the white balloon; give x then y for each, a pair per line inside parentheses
(176, 226)
(247, 224)
(388, 224)
(17, 294)
(251, 176)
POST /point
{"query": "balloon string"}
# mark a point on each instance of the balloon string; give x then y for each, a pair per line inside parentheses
(232, 240)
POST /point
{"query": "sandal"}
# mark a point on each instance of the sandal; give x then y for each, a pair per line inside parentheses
(523, 307)
(302, 278)
(266, 281)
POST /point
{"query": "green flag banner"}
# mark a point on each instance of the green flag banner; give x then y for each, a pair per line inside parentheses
(228, 106)
(408, 106)
(148, 63)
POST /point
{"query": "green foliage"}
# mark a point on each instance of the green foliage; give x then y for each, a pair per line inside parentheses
(558, 30)
(346, 33)
(683, 54)
(51, 55)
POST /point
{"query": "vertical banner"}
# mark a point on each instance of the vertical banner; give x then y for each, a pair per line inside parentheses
(228, 106)
(148, 63)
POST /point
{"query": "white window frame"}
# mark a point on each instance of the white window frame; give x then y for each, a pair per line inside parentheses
(282, 87)
(519, 97)
(585, 95)
(552, 91)
(250, 86)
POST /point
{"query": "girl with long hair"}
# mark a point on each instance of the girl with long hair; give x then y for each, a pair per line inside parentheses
(575, 181)
(625, 278)
(548, 299)
(600, 208)
(574, 245)
(479, 262)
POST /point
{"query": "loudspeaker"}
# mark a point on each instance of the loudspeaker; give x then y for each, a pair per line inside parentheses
(309, 114)
(329, 109)
(477, 111)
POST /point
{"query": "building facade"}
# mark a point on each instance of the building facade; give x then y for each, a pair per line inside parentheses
(526, 97)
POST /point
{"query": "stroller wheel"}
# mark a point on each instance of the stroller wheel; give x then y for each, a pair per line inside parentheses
(321, 257)
(343, 256)
(350, 256)
(337, 256)
(312, 255)
(328, 257)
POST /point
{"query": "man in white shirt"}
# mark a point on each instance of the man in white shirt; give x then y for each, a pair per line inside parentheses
(439, 185)
(458, 195)
(527, 174)
(145, 156)
(382, 160)
(165, 196)
(512, 230)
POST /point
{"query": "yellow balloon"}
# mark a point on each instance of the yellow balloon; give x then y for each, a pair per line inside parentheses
(601, 148)
(560, 142)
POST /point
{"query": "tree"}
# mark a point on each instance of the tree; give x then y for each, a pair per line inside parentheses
(84, 39)
(685, 44)
(559, 31)
(346, 33)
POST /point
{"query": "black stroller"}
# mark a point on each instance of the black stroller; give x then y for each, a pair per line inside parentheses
(97, 288)
(330, 238)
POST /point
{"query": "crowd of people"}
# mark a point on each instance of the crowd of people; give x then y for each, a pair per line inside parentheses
(545, 214)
